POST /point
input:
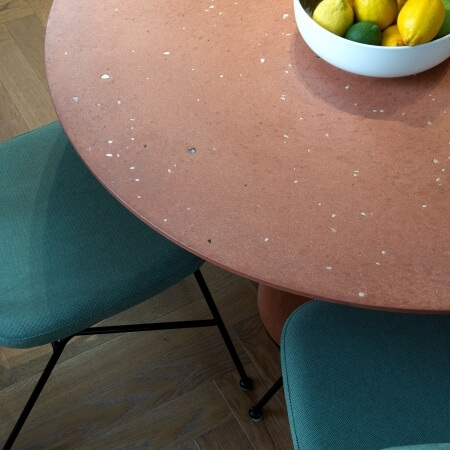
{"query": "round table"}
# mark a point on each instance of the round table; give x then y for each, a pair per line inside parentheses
(216, 125)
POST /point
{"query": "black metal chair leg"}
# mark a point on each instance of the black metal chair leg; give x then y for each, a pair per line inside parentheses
(255, 412)
(245, 382)
(58, 348)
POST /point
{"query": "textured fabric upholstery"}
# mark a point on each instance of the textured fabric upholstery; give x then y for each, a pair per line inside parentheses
(70, 254)
(422, 447)
(358, 379)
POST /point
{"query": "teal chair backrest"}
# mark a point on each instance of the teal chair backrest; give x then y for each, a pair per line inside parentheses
(358, 379)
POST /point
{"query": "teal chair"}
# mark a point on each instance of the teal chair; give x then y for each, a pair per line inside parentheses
(71, 255)
(358, 379)
(422, 447)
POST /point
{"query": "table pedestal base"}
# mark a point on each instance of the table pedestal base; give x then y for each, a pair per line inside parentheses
(275, 307)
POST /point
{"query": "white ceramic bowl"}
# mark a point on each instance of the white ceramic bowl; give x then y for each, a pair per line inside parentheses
(369, 60)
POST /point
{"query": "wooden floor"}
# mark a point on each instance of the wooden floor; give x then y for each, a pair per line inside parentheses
(165, 389)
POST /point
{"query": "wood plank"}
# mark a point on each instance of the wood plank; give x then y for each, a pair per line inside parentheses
(261, 348)
(14, 9)
(273, 431)
(228, 435)
(6, 372)
(188, 417)
(42, 9)
(5, 36)
(29, 35)
(218, 278)
(28, 93)
(188, 446)
(11, 120)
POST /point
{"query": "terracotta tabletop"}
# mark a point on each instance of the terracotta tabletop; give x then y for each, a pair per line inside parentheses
(215, 124)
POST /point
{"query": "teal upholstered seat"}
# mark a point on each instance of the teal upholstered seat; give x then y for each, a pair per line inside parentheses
(422, 447)
(71, 255)
(357, 379)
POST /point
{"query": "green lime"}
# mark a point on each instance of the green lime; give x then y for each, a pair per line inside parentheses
(445, 28)
(364, 32)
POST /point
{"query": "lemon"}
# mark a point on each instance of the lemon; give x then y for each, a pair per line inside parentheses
(335, 16)
(400, 4)
(351, 2)
(445, 28)
(381, 12)
(419, 21)
(365, 33)
(391, 37)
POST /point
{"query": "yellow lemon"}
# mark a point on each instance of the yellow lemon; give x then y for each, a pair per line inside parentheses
(391, 37)
(400, 4)
(351, 2)
(420, 20)
(335, 16)
(381, 12)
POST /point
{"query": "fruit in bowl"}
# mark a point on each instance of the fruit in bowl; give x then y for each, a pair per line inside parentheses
(418, 21)
(445, 28)
(385, 38)
(381, 12)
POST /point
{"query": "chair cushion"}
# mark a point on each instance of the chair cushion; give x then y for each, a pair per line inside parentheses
(359, 379)
(422, 447)
(71, 255)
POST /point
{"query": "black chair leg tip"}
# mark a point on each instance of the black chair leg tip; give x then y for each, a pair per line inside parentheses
(255, 414)
(246, 384)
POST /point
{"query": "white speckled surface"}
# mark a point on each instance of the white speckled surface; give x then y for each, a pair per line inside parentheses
(217, 125)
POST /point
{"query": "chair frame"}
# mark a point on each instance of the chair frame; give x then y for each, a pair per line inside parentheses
(255, 412)
(58, 347)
